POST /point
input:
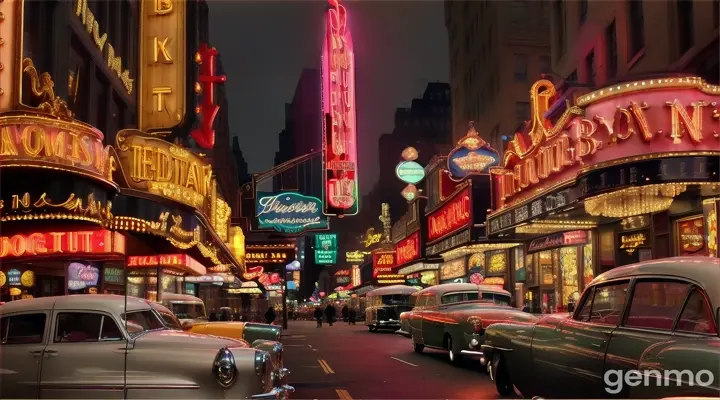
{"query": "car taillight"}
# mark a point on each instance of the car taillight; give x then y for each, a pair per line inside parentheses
(478, 328)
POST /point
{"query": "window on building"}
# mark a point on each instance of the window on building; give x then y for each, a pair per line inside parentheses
(572, 78)
(559, 12)
(611, 52)
(716, 13)
(545, 67)
(583, 10)
(636, 29)
(522, 111)
(521, 64)
(590, 68)
(685, 25)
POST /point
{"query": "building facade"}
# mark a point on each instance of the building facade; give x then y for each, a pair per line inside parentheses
(497, 49)
(598, 43)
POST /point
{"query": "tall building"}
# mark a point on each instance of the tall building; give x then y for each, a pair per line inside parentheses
(597, 43)
(241, 164)
(497, 49)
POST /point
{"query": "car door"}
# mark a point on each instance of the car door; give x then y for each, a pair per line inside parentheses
(432, 326)
(84, 357)
(653, 309)
(416, 318)
(23, 337)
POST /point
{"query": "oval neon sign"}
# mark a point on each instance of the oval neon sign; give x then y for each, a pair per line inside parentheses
(410, 172)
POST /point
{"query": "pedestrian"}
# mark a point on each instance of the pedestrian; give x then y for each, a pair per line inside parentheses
(344, 313)
(330, 314)
(318, 317)
(213, 315)
(352, 314)
(526, 307)
(270, 316)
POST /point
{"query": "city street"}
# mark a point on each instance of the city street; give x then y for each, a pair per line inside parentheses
(348, 362)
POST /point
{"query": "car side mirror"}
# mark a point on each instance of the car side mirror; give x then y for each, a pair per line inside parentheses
(187, 325)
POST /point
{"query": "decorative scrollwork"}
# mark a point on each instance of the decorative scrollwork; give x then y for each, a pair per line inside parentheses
(42, 87)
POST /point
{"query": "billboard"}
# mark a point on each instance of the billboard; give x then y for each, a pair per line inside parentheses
(289, 212)
(326, 248)
(340, 165)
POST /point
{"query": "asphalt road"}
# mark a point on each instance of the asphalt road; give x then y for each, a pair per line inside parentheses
(348, 362)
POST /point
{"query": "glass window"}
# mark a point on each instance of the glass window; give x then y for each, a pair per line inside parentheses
(189, 310)
(611, 43)
(545, 67)
(78, 327)
(608, 303)
(394, 299)
(583, 10)
(520, 67)
(697, 315)
(496, 298)
(522, 111)
(110, 330)
(22, 329)
(655, 305)
(590, 67)
(584, 313)
(637, 27)
(142, 321)
(685, 25)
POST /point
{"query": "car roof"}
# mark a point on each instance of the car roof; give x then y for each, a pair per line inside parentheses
(110, 303)
(703, 270)
(394, 289)
(462, 287)
(180, 297)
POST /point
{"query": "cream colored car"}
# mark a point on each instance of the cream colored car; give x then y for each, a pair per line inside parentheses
(113, 347)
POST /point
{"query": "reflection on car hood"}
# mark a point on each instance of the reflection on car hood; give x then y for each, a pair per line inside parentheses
(187, 340)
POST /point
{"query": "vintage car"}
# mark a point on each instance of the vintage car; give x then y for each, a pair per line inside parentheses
(109, 346)
(654, 320)
(190, 310)
(274, 348)
(454, 316)
(384, 306)
(405, 318)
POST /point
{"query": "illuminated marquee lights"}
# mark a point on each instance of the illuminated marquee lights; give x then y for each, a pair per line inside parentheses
(180, 261)
(62, 243)
(340, 137)
(204, 135)
(673, 115)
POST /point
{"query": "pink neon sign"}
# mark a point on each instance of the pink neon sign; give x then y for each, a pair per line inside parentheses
(339, 136)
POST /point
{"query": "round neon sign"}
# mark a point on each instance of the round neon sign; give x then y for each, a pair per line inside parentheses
(410, 172)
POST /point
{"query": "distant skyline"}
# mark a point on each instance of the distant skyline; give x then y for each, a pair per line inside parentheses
(400, 46)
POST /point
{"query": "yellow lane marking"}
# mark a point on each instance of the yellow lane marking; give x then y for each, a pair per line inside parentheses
(326, 367)
(343, 394)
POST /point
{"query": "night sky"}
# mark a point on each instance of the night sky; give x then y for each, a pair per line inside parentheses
(399, 47)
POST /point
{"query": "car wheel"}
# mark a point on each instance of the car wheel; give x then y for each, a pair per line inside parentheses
(503, 383)
(371, 328)
(417, 347)
(452, 356)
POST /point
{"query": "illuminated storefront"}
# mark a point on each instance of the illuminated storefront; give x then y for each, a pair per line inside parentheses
(634, 166)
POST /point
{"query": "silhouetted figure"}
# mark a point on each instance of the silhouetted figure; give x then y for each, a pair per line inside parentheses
(344, 313)
(526, 308)
(212, 316)
(330, 314)
(270, 315)
(318, 317)
(352, 314)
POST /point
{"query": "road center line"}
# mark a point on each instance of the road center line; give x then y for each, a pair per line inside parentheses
(326, 367)
(404, 362)
(343, 394)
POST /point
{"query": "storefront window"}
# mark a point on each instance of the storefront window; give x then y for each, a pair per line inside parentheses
(546, 268)
(497, 264)
(568, 265)
(519, 264)
(588, 272)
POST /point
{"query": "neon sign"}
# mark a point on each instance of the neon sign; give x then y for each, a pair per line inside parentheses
(471, 156)
(326, 248)
(383, 262)
(81, 276)
(267, 257)
(408, 249)
(63, 145)
(181, 261)
(452, 216)
(289, 212)
(340, 137)
(410, 172)
(204, 135)
(630, 119)
(66, 243)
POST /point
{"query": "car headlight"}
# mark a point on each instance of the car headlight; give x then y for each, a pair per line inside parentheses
(224, 368)
(261, 361)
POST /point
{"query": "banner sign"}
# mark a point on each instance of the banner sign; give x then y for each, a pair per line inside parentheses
(408, 249)
(383, 262)
(326, 248)
(338, 100)
(558, 240)
(289, 212)
(410, 172)
(471, 156)
(82, 275)
(65, 243)
(452, 216)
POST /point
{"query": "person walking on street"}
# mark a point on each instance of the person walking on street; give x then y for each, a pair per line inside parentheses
(318, 317)
(270, 316)
(352, 315)
(330, 314)
(344, 313)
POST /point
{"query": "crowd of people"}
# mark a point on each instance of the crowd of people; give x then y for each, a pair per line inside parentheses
(348, 314)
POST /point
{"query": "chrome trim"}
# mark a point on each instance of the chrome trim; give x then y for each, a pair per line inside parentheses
(474, 353)
(280, 392)
(224, 368)
(489, 347)
(261, 360)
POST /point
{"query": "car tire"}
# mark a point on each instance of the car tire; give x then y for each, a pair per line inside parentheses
(417, 347)
(453, 357)
(503, 383)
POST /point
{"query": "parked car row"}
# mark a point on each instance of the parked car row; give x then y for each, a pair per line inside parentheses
(108, 346)
(657, 320)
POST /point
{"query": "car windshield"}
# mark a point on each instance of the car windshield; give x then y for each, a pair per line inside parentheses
(497, 298)
(189, 310)
(167, 317)
(395, 299)
(138, 322)
(487, 297)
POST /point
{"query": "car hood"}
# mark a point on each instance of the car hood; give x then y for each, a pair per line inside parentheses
(187, 340)
(492, 314)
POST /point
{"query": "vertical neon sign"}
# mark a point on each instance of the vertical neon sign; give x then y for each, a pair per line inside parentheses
(339, 135)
